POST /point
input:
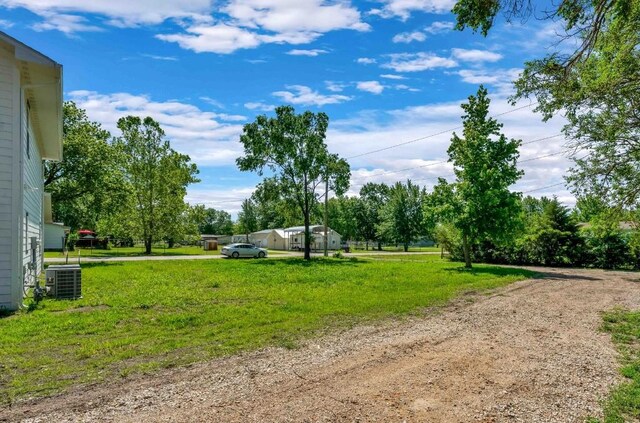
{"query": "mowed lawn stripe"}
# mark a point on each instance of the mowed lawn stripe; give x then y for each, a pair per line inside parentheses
(139, 316)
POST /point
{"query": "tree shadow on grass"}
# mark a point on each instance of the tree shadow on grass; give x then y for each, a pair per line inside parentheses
(494, 270)
(313, 263)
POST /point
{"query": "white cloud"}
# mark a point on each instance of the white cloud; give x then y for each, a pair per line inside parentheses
(335, 87)
(475, 56)
(212, 101)
(407, 37)
(260, 106)
(190, 130)
(219, 38)
(404, 8)
(300, 94)
(5, 24)
(229, 200)
(250, 23)
(162, 58)
(365, 61)
(415, 62)
(224, 28)
(392, 76)
(118, 12)
(439, 27)
(370, 86)
(65, 23)
(405, 87)
(310, 53)
(500, 79)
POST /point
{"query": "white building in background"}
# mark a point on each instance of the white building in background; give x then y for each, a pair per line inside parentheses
(295, 238)
(55, 234)
(30, 132)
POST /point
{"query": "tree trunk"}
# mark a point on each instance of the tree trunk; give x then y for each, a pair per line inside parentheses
(147, 245)
(467, 254)
(406, 247)
(379, 245)
(307, 238)
(247, 237)
(366, 245)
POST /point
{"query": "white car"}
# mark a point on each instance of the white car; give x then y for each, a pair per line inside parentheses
(243, 250)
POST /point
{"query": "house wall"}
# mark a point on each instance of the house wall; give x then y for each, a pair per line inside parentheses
(33, 199)
(10, 199)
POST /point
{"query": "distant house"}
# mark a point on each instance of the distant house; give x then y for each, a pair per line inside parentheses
(55, 234)
(273, 239)
(295, 238)
(30, 132)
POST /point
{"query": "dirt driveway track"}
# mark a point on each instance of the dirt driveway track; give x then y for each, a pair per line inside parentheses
(530, 352)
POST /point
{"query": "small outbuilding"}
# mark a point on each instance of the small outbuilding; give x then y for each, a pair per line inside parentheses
(273, 239)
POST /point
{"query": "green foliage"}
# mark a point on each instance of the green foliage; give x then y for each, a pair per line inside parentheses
(216, 222)
(293, 147)
(607, 244)
(87, 185)
(157, 178)
(141, 316)
(623, 403)
(480, 203)
(248, 218)
(401, 217)
(273, 210)
(593, 79)
(368, 212)
(342, 217)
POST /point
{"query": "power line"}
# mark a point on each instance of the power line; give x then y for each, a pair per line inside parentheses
(541, 188)
(445, 161)
(434, 135)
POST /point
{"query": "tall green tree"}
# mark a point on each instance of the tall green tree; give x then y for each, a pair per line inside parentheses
(484, 163)
(342, 216)
(87, 185)
(402, 218)
(216, 222)
(293, 147)
(157, 178)
(247, 218)
(593, 79)
(372, 197)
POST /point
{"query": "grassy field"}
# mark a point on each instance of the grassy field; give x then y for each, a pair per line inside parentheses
(140, 316)
(398, 249)
(623, 403)
(137, 251)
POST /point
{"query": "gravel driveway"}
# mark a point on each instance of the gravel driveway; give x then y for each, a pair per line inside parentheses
(530, 352)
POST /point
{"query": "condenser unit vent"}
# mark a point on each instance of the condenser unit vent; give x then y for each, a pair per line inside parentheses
(64, 281)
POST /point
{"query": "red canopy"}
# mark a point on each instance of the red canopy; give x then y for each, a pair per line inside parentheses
(85, 232)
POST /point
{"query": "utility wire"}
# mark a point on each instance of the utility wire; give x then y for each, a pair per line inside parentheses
(541, 188)
(434, 135)
(445, 161)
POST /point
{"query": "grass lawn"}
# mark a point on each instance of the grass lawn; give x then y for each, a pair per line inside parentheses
(623, 403)
(137, 251)
(140, 316)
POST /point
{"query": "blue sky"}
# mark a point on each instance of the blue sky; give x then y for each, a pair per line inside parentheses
(386, 72)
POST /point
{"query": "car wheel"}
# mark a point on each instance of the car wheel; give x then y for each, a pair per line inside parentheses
(261, 254)
(235, 254)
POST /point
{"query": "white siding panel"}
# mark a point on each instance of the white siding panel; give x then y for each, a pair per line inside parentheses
(9, 171)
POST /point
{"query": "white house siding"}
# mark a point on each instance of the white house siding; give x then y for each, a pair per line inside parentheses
(33, 195)
(10, 280)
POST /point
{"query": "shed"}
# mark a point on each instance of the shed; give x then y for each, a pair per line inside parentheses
(273, 239)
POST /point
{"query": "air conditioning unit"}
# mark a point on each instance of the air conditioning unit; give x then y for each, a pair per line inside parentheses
(64, 282)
